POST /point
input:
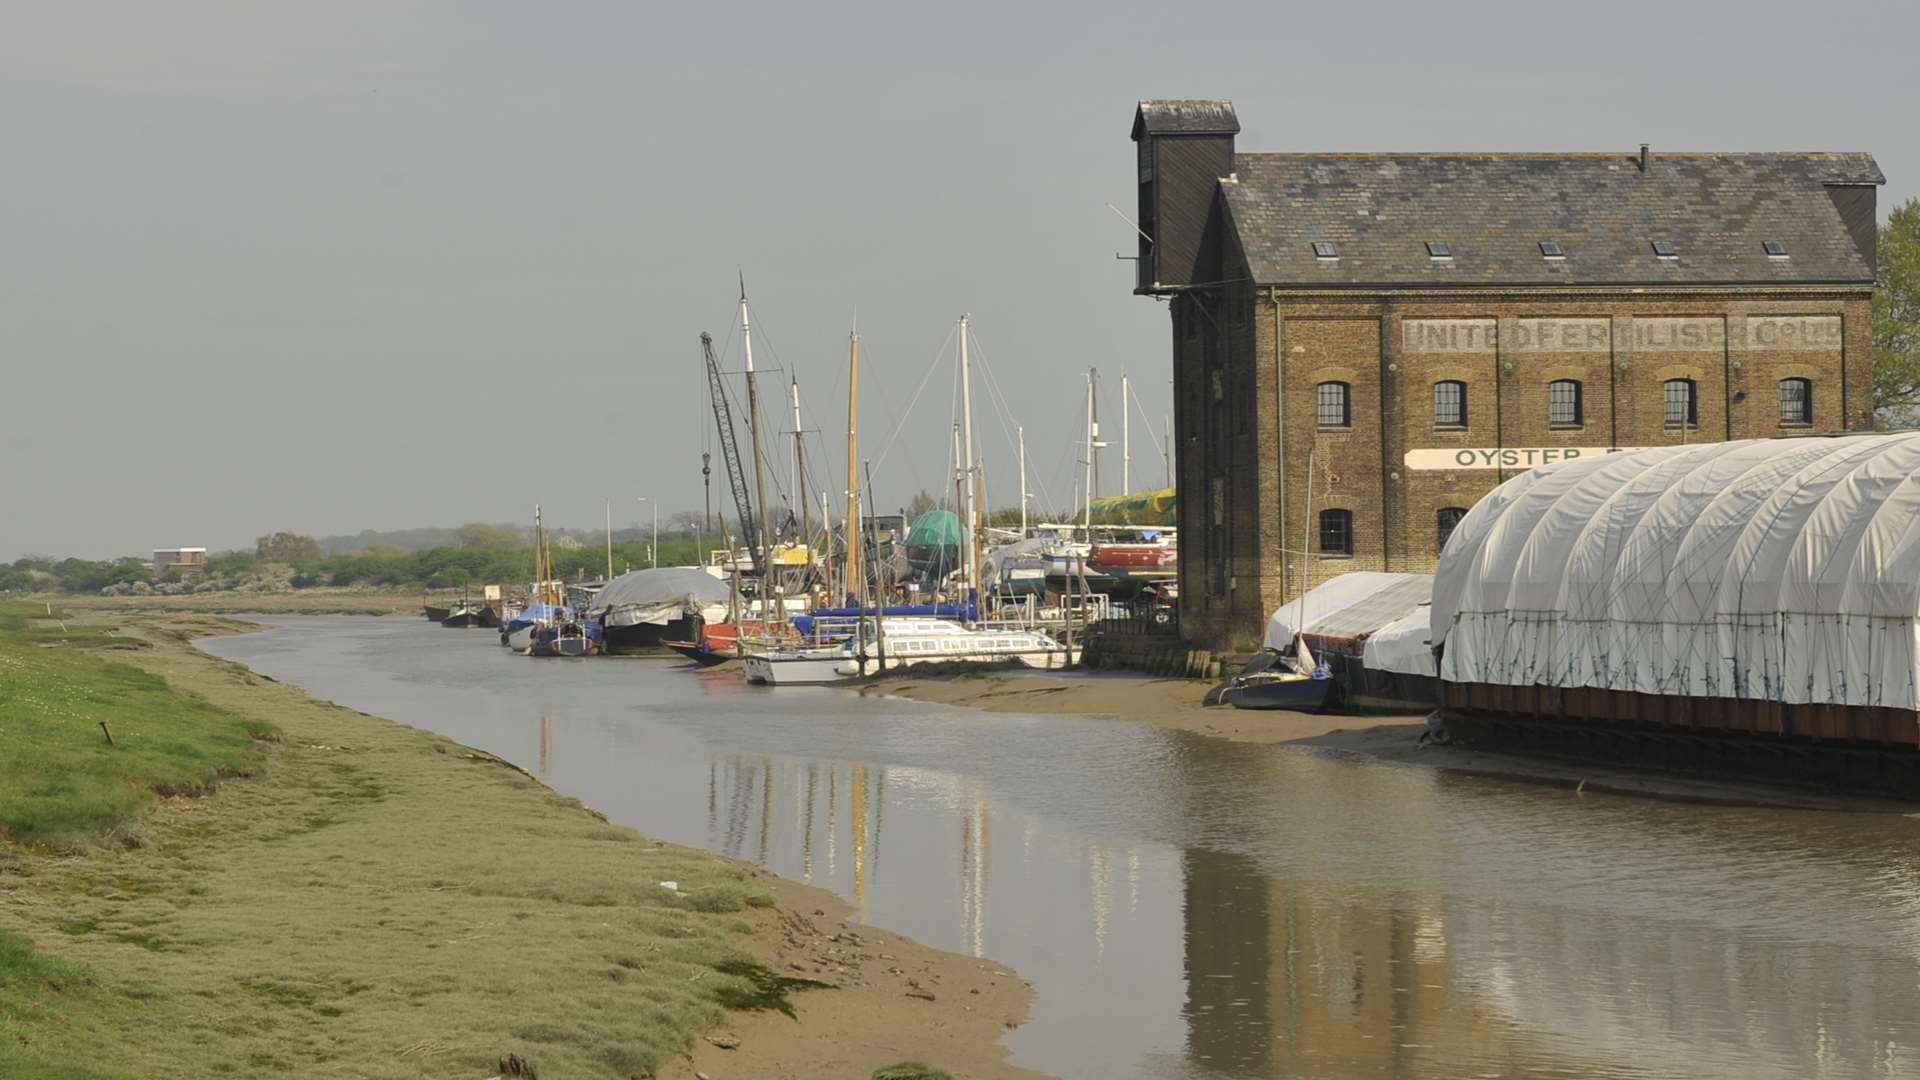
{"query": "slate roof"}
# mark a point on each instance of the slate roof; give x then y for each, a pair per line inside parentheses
(1185, 116)
(1495, 209)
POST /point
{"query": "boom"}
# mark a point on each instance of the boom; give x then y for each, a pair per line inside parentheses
(730, 447)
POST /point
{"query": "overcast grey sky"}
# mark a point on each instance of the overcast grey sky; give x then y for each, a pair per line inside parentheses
(332, 266)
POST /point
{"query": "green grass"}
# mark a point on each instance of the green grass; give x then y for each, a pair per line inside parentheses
(373, 901)
(39, 994)
(909, 1070)
(61, 782)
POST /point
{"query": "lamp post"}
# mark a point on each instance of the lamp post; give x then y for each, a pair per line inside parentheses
(653, 549)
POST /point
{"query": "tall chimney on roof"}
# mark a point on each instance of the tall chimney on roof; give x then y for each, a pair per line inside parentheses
(1646, 157)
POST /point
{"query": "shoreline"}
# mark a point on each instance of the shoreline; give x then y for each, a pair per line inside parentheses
(536, 898)
(1174, 703)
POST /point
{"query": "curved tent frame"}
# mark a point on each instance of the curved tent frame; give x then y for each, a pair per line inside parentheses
(1778, 570)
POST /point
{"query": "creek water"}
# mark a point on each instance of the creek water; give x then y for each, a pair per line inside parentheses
(1191, 908)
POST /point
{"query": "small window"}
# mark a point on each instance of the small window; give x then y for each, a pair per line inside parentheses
(1796, 402)
(1439, 249)
(1334, 404)
(1449, 404)
(1665, 249)
(1683, 405)
(1444, 522)
(1324, 250)
(1336, 532)
(1775, 249)
(1563, 403)
(1551, 249)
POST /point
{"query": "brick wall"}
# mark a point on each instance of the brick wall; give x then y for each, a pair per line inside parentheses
(1622, 348)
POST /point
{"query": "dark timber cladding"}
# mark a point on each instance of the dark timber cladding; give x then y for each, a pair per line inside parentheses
(1365, 344)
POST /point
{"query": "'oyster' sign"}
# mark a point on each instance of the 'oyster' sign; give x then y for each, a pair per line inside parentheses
(1502, 457)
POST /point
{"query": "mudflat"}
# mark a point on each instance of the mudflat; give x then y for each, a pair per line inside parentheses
(366, 899)
(1401, 739)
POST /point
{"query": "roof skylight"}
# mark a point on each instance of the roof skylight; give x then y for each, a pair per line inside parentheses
(1324, 250)
(1775, 249)
(1439, 249)
(1665, 249)
(1551, 249)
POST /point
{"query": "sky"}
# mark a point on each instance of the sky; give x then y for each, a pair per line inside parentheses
(334, 266)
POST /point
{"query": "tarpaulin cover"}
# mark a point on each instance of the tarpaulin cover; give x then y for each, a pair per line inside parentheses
(936, 529)
(658, 596)
(1347, 606)
(1402, 645)
(1783, 570)
(1139, 508)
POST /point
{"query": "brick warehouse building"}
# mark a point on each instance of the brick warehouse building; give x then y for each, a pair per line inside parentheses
(1365, 344)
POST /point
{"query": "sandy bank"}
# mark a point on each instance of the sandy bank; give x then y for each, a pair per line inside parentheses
(378, 901)
(1175, 703)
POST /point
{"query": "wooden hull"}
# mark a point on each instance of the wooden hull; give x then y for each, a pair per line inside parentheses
(437, 614)
(700, 654)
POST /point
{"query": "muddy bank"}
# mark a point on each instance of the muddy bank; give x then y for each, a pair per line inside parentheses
(1400, 739)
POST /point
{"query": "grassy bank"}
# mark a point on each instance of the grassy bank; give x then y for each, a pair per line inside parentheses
(348, 601)
(62, 781)
(349, 897)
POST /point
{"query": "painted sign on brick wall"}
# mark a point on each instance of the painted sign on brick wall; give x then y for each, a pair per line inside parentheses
(1675, 333)
(1447, 335)
(1502, 457)
(1788, 333)
(1593, 335)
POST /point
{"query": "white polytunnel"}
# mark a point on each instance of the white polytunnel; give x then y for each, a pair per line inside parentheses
(1780, 570)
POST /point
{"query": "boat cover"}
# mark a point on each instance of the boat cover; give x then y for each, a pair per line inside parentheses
(964, 612)
(1347, 606)
(1783, 570)
(937, 529)
(1140, 508)
(1403, 645)
(658, 596)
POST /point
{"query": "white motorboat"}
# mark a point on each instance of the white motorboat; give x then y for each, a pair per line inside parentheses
(803, 666)
(906, 641)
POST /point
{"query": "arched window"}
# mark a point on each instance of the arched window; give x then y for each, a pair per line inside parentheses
(1445, 521)
(1683, 405)
(1564, 407)
(1449, 404)
(1336, 532)
(1796, 402)
(1333, 403)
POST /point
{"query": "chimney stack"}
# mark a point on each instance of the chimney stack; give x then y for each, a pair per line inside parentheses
(1646, 157)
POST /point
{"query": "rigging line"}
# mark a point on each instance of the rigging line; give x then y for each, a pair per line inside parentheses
(1007, 420)
(1135, 395)
(904, 417)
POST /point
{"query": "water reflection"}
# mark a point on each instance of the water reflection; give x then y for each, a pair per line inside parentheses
(1191, 909)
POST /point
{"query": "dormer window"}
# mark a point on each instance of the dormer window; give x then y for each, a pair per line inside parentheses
(1439, 249)
(1775, 249)
(1551, 249)
(1324, 250)
(1665, 249)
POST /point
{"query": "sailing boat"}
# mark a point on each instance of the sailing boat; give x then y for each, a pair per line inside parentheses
(552, 628)
(903, 640)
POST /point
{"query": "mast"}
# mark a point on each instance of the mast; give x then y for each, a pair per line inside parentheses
(799, 466)
(826, 531)
(1021, 433)
(1090, 429)
(855, 545)
(609, 539)
(758, 542)
(1126, 440)
(972, 487)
